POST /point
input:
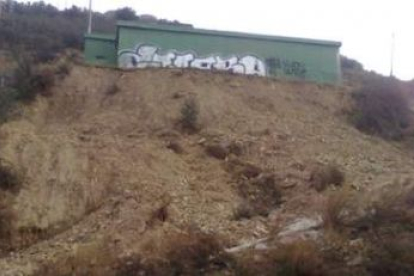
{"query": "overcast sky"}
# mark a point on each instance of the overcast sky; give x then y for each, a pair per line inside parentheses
(364, 27)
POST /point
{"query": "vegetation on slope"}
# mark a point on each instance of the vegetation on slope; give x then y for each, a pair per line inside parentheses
(381, 108)
(45, 31)
(138, 188)
(160, 172)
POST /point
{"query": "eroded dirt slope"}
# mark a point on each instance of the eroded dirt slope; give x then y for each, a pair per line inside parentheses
(97, 160)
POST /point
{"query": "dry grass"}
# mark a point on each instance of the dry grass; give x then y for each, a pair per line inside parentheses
(7, 218)
(384, 229)
(10, 185)
(392, 256)
(301, 258)
(71, 143)
(187, 253)
(91, 259)
(334, 209)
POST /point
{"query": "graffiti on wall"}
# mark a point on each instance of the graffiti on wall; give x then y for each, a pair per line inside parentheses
(288, 67)
(147, 55)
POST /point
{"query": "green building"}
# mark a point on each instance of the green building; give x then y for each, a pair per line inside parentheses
(138, 45)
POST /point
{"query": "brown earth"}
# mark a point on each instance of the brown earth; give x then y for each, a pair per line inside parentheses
(98, 163)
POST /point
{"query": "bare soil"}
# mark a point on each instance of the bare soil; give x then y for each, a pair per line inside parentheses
(98, 163)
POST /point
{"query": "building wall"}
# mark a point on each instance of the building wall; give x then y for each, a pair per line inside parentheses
(100, 51)
(301, 59)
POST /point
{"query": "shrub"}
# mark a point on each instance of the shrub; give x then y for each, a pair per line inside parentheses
(333, 210)
(241, 169)
(112, 89)
(29, 80)
(220, 150)
(301, 258)
(9, 181)
(217, 150)
(8, 101)
(380, 108)
(391, 256)
(386, 229)
(63, 69)
(189, 253)
(262, 194)
(176, 147)
(189, 115)
(6, 225)
(243, 211)
(324, 175)
(196, 252)
(26, 82)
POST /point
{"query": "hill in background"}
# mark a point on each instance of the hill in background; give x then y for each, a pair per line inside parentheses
(45, 31)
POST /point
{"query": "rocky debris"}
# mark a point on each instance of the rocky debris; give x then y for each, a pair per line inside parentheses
(355, 261)
(301, 229)
(259, 244)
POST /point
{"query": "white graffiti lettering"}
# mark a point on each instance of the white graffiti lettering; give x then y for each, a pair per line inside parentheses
(203, 63)
(225, 64)
(146, 55)
(183, 61)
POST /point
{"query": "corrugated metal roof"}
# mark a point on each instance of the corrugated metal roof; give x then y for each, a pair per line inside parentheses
(189, 29)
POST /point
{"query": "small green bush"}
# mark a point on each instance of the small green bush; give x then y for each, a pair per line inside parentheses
(189, 115)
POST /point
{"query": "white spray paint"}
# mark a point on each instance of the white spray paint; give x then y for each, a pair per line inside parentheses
(203, 63)
(183, 61)
(225, 64)
(146, 55)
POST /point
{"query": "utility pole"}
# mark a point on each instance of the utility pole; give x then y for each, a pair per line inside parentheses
(90, 17)
(392, 54)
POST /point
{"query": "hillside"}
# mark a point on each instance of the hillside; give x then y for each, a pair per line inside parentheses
(106, 167)
(45, 31)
